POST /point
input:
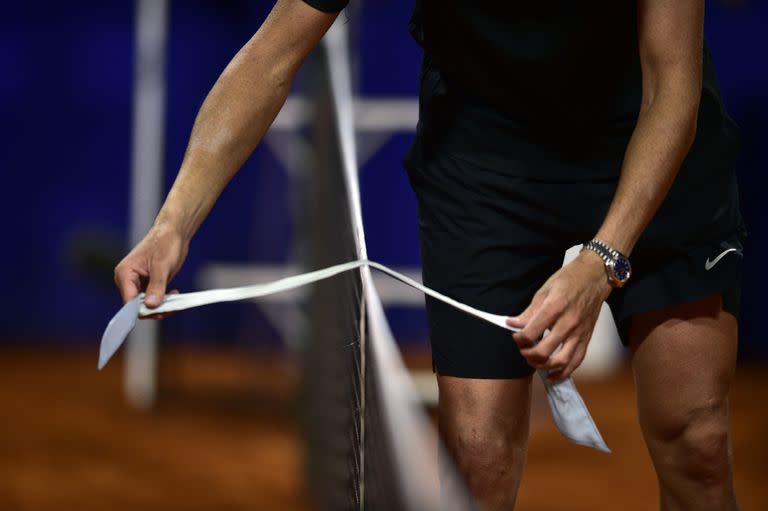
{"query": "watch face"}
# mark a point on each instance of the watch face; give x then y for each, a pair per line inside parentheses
(622, 269)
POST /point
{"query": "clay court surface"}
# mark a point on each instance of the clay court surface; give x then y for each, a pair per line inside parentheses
(223, 438)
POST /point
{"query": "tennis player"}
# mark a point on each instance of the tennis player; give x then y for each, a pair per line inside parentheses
(542, 125)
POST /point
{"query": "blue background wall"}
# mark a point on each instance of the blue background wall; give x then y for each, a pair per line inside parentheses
(66, 74)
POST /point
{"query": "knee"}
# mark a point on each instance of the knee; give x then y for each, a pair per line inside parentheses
(704, 448)
(490, 459)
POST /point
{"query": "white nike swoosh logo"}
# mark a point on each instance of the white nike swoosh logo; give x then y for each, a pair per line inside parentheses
(708, 265)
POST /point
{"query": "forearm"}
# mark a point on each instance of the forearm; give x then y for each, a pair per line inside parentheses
(670, 39)
(663, 135)
(234, 117)
(239, 110)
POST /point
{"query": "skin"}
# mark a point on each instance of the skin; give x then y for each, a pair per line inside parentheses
(485, 422)
(670, 41)
(690, 348)
(232, 120)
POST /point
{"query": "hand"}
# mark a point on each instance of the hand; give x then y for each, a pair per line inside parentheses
(568, 305)
(151, 265)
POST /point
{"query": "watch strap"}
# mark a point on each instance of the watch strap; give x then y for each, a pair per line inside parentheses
(610, 257)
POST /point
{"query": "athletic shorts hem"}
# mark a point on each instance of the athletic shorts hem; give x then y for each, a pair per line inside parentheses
(491, 241)
(683, 280)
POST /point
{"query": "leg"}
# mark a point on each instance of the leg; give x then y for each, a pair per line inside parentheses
(684, 358)
(484, 424)
(489, 242)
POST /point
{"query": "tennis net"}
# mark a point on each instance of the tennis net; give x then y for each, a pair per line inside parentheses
(368, 442)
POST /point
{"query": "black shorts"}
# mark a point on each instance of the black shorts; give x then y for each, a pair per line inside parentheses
(491, 240)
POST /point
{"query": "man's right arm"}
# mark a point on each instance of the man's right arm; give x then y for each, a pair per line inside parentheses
(234, 117)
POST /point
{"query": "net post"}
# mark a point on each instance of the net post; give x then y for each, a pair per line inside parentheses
(151, 30)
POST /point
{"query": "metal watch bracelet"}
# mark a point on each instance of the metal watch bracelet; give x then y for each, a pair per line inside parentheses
(617, 265)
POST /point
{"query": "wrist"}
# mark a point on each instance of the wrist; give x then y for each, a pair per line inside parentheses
(596, 269)
(617, 267)
(621, 241)
(169, 221)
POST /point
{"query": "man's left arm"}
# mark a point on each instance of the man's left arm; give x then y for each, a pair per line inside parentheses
(670, 39)
(670, 36)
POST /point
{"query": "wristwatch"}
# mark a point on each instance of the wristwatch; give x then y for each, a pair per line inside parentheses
(617, 266)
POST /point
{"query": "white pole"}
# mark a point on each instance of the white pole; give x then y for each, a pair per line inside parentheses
(151, 28)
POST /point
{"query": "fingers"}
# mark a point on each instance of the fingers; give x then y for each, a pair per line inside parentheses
(522, 319)
(568, 304)
(128, 281)
(539, 355)
(580, 351)
(560, 359)
(544, 354)
(129, 275)
(158, 280)
(542, 318)
(558, 362)
(161, 315)
(150, 265)
(563, 363)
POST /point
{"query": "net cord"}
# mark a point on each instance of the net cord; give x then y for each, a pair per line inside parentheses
(402, 406)
(339, 72)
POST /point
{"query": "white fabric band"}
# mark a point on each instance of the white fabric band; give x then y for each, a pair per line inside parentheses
(196, 299)
(568, 409)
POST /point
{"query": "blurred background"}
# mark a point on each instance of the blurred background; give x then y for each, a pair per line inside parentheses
(220, 431)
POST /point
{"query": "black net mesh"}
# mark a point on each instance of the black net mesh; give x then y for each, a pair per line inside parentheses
(331, 392)
(348, 460)
(368, 444)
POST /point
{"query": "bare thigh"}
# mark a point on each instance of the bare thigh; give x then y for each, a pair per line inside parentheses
(684, 358)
